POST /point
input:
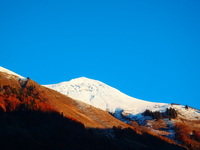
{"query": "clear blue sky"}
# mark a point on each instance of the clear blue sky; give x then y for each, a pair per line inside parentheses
(147, 49)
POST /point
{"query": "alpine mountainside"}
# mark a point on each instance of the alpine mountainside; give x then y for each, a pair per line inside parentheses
(109, 99)
(173, 121)
(35, 117)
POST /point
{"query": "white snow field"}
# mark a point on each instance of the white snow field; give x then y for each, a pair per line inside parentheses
(105, 97)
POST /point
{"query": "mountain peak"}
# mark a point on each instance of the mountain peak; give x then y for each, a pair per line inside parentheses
(103, 96)
(2, 69)
(82, 80)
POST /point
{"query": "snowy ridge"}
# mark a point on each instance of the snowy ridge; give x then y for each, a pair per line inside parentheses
(9, 72)
(105, 97)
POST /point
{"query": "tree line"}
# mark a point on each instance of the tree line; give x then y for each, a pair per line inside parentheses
(169, 113)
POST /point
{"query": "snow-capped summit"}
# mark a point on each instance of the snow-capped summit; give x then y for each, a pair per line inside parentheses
(10, 72)
(105, 97)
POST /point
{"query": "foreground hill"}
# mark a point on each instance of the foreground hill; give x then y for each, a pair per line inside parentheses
(35, 117)
(88, 115)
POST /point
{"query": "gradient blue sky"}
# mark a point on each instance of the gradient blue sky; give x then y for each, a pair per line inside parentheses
(147, 49)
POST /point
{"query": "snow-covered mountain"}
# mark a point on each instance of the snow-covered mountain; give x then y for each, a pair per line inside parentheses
(105, 97)
(10, 72)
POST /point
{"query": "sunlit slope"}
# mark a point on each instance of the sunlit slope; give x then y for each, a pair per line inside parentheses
(84, 113)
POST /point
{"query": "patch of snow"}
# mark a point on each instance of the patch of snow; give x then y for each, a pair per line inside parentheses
(10, 72)
(170, 129)
(191, 114)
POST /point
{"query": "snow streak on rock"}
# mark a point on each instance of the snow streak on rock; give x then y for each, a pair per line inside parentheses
(9, 72)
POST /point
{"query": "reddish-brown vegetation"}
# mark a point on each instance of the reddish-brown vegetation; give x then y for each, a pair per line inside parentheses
(187, 136)
(12, 99)
(196, 135)
(183, 133)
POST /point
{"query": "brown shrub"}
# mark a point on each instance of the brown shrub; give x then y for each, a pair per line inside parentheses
(196, 135)
(183, 133)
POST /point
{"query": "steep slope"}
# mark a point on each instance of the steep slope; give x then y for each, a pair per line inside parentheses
(88, 115)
